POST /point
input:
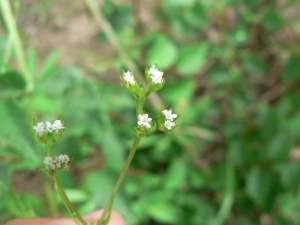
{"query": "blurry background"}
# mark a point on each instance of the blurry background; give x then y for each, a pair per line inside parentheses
(233, 75)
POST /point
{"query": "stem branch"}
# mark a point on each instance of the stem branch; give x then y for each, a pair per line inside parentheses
(107, 208)
(67, 202)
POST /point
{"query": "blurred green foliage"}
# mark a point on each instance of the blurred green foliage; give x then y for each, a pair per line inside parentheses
(232, 76)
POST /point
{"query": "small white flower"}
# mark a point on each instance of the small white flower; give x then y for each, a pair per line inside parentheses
(156, 75)
(63, 158)
(168, 114)
(129, 78)
(66, 166)
(48, 160)
(52, 166)
(50, 127)
(169, 124)
(144, 120)
(57, 125)
(40, 128)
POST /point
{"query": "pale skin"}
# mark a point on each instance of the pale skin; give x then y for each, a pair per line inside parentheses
(115, 219)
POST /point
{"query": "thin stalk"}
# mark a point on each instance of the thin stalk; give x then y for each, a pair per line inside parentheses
(13, 32)
(48, 148)
(120, 179)
(49, 197)
(8, 48)
(139, 106)
(229, 194)
(67, 202)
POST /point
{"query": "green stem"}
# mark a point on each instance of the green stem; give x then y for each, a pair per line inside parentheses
(229, 193)
(67, 202)
(132, 152)
(48, 148)
(49, 197)
(139, 106)
(13, 32)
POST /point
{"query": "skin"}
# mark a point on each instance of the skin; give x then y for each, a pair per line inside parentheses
(116, 219)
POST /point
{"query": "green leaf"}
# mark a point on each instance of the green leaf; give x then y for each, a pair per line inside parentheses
(289, 176)
(31, 62)
(11, 81)
(50, 65)
(176, 175)
(17, 132)
(174, 92)
(192, 58)
(280, 145)
(272, 21)
(75, 195)
(163, 212)
(291, 71)
(163, 53)
(253, 65)
(196, 16)
(178, 2)
(238, 36)
(262, 187)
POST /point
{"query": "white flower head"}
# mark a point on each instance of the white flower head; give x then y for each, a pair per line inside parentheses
(58, 165)
(52, 166)
(156, 75)
(66, 167)
(168, 114)
(169, 124)
(144, 120)
(40, 128)
(57, 125)
(48, 160)
(129, 77)
(50, 127)
(63, 158)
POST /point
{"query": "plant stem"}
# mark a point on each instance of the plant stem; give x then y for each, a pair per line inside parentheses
(49, 197)
(13, 32)
(139, 106)
(120, 180)
(67, 202)
(229, 193)
(48, 148)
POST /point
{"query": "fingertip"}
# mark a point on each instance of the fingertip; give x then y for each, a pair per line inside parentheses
(115, 219)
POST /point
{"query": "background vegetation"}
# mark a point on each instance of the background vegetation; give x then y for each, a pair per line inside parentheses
(233, 75)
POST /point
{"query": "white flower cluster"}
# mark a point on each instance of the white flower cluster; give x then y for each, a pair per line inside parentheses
(156, 75)
(40, 128)
(59, 162)
(144, 120)
(169, 124)
(129, 77)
